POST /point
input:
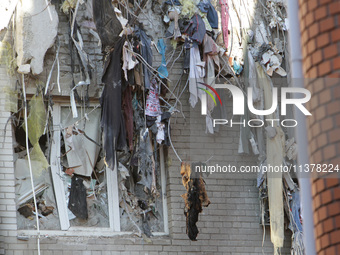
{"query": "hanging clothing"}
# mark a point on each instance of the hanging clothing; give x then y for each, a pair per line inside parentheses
(112, 121)
(129, 59)
(196, 74)
(146, 52)
(206, 7)
(196, 29)
(152, 107)
(225, 21)
(163, 71)
(77, 201)
(173, 30)
(107, 24)
(160, 130)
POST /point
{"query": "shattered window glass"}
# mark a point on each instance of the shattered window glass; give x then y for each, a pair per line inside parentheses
(84, 178)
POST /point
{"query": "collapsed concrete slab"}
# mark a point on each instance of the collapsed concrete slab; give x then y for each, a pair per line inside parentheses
(36, 29)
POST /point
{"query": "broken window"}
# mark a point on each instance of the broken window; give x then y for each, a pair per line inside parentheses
(79, 184)
(83, 175)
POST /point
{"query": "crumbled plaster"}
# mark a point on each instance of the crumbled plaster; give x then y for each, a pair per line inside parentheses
(36, 29)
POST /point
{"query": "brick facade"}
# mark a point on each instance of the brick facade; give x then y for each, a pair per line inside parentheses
(320, 28)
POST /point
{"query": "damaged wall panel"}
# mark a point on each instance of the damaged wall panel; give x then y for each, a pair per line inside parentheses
(36, 29)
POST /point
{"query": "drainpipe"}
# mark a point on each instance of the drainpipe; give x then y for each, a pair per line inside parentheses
(300, 131)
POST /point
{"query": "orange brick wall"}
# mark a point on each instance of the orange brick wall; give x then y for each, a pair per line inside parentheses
(320, 38)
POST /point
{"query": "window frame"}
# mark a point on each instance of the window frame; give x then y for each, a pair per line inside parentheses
(114, 228)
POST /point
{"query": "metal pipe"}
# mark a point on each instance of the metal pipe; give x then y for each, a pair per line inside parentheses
(300, 131)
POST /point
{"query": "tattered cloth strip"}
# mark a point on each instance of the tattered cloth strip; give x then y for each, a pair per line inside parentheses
(112, 121)
(163, 71)
(145, 42)
(128, 115)
(194, 199)
(144, 154)
(225, 20)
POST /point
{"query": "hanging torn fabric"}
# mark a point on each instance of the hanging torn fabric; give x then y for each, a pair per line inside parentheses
(163, 71)
(196, 29)
(128, 115)
(165, 119)
(173, 30)
(225, 20)
(77, 201)
(206, 7)
(146, 53)
(160, 130)
(129, 59)
(194, 199)
(196, 74)
(112, 121)
(145, 164)
(152, 107)
(107, 24)
(186, 61)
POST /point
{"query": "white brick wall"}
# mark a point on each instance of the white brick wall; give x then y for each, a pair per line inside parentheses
(7, 203)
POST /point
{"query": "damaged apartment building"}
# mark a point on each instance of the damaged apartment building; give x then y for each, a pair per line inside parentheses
(101, 128)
